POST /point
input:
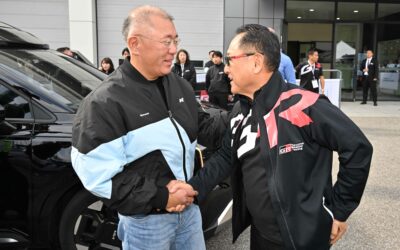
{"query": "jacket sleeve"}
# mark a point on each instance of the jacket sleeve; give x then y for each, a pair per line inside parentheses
(212, 127)
(193, 75)
(215, 170)
(98, 158)
(208, 78)
(376, 66)
(332, 129)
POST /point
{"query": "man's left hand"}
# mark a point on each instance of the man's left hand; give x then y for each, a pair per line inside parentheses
(338, 229)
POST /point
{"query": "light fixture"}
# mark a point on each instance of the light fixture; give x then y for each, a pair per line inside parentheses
(311, 10)
(355, 11)
(337, 18)
(299, 17)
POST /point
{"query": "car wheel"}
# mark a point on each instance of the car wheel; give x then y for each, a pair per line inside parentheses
(87, 223)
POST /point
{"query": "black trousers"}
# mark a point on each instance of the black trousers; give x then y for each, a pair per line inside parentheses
(219, 99)
(258, 242)
(369, 83)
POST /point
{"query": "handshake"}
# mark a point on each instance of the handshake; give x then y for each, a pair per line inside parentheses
(180, 196)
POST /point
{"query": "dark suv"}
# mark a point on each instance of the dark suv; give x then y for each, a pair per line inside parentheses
(42, 202)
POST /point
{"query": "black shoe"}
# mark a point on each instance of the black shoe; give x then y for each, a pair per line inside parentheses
(375, 104)
(363, 103)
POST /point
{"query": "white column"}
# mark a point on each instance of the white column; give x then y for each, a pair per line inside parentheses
(82, 28)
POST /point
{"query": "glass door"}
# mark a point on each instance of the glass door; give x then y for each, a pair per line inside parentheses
(346, 58)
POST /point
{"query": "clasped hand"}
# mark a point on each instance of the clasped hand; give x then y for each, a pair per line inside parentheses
(181, 195)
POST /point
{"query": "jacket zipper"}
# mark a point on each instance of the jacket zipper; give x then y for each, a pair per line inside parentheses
(183, 145)
(275, 191)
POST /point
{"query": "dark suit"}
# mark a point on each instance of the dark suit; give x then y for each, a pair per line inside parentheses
(368, 80)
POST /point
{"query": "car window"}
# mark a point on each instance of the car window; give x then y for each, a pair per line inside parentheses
(15, 106)
(48, 75)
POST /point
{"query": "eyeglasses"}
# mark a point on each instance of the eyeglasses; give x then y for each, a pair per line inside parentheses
(167, 42)
(229, 58)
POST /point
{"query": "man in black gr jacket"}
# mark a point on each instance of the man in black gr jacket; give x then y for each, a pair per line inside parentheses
(278, 151)
(369, 67)
(217, 82)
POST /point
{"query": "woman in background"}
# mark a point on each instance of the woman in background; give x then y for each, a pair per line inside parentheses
(107, 65)
(184, 68)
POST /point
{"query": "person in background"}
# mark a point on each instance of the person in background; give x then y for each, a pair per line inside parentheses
(184, 68)
(107, 66)
(369, 67)
(210, 62)
(66, 51)
(286, 69)
(217, 82)
(125, 55)
(311, 74)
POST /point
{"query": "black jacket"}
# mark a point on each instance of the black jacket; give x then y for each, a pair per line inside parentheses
(303, 130)
(189, 72)
(373, 68)
(216, 80)
(127, 143)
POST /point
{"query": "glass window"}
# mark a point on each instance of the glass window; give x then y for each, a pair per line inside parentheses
(389, 12)
(355, 11)
(389, 45)
(52, 77)
(14, 105)
(310, 10)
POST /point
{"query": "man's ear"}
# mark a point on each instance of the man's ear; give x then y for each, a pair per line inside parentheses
(133, 44)
(258, 63)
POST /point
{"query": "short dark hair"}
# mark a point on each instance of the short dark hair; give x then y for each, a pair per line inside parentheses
(263, 41)
(217, 53)
(177, 56)
(311, 51)
(125, 50)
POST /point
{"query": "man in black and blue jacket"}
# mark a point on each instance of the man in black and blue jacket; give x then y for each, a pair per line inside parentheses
(136, 134)
(278, 152)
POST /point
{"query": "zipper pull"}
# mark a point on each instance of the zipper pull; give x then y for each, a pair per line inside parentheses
(170, 113)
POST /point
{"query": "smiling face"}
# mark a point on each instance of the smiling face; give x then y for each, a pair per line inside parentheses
(151, 57)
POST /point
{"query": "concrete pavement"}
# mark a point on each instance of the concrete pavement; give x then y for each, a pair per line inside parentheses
(376, 222)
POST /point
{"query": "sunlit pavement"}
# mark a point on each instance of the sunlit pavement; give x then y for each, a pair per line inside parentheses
(376, 222)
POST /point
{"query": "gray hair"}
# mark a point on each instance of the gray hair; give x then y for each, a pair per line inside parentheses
(141, 15)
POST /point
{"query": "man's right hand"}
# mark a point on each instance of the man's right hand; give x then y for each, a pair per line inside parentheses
(181, 195)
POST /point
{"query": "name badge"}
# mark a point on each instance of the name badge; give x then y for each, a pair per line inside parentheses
(314, 84)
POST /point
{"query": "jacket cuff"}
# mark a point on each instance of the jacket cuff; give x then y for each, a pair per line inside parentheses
(340, 216)
(160, 200)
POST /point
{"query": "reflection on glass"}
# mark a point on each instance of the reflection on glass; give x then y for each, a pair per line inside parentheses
(355, 11)
(307, 10)
(42, 72)
(389, 12)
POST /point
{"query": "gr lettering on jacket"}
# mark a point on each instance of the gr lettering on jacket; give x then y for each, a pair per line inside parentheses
(294, 114)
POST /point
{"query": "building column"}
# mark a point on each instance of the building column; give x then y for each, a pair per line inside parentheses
(82, 28)
(269, 13)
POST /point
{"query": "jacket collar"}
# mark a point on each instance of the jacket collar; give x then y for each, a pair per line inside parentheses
(132, 72)
(265, 97)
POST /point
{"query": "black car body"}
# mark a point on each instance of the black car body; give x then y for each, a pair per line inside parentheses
(42, 202)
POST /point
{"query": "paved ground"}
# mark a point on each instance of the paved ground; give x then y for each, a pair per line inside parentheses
(376, 223)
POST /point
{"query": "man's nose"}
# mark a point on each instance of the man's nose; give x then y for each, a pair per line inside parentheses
(226, 69)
